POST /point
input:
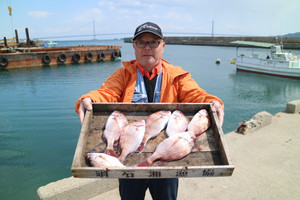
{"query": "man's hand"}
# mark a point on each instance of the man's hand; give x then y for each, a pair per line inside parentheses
(85, 104)
(217, 107)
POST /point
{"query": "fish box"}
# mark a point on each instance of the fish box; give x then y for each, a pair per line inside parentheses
(212, 160)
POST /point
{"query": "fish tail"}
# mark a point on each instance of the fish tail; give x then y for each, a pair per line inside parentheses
(144, 163)
(121, 158)
(110, 152)
(141, 147)
(197, 146)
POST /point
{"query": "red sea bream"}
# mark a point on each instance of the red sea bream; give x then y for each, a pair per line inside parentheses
(200, 122)
(177, 123)
(114, 124)
(172, 148)
(103, 160)
(155, 123)
(131, 138)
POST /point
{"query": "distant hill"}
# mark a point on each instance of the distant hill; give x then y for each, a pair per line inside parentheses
(297, 34)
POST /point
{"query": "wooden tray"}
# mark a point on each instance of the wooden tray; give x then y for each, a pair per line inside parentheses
(211, 160)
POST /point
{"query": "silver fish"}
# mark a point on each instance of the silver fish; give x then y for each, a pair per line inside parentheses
(177, 123)
(155, 123)
(103, 160)
(172, 148)
(131, 138)
(200, 122)
(114, 124)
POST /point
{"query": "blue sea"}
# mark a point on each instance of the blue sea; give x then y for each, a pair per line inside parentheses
(39, 128)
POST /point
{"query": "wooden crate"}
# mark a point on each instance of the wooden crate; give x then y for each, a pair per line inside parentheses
(211, 160)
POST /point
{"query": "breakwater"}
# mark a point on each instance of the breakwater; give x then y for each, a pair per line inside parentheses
(288, 42)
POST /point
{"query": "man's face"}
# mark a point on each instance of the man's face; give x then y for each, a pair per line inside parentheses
(148, 57)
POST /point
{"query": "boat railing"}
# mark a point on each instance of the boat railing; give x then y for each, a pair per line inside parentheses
(263, 62)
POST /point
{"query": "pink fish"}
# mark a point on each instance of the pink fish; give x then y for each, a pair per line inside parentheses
(114, 124)
(177, 123)
(131, 138)
(200, 122)
(172, 148)
(103, 160)
(155, 123)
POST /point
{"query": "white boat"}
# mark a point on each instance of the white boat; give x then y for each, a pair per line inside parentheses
(51, 44)
(277, 63)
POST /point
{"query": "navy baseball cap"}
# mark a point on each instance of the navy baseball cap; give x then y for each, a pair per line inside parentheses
(148, 27)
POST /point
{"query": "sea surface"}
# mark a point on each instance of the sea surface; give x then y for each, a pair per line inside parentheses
(39, 128)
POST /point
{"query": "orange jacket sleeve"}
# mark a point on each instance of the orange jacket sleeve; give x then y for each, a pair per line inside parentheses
(111, 90)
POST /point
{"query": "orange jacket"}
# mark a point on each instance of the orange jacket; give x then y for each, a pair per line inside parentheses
(177, 86)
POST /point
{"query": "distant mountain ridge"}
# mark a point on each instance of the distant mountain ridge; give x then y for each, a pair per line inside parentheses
(297, 34)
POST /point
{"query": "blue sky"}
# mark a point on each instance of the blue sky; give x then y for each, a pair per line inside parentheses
(119, 18)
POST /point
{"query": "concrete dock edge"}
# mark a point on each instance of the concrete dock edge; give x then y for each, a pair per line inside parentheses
(75, 188)
(293, 106)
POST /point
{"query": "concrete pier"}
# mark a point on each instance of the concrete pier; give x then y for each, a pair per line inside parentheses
(266, 167)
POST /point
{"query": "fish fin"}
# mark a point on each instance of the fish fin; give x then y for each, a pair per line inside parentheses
(141, 147)
(110, 152)
(163, 161)
(130, 154)
(144, 163)
(121, 159)
(197, 135)
(197, 147)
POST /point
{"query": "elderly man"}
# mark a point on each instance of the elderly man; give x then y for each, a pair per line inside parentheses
(149, 78)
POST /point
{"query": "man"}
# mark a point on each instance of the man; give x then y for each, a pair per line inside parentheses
(149, 78)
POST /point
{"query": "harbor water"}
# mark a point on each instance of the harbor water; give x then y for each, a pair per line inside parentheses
(39, 128)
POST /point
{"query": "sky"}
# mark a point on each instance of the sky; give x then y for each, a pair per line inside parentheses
(63, 20)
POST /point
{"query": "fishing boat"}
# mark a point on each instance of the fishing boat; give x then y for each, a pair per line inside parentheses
(276, 63)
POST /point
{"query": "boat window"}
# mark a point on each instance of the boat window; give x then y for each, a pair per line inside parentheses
(279, 57)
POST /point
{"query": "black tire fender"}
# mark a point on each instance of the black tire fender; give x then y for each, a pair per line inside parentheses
(115, 55)
(62, 58)
(3, 62)
(46, 59)
(101, 55)
(89, 56)
(76, 57)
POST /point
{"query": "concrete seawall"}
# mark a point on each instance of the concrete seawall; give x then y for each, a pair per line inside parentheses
(265, 158)
(288, 42)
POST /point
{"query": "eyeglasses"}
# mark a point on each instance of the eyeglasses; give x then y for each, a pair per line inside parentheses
(152, 44)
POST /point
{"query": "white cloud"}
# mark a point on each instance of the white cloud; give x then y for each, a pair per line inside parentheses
(39, 13)
(178, 16)
(119, 4)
